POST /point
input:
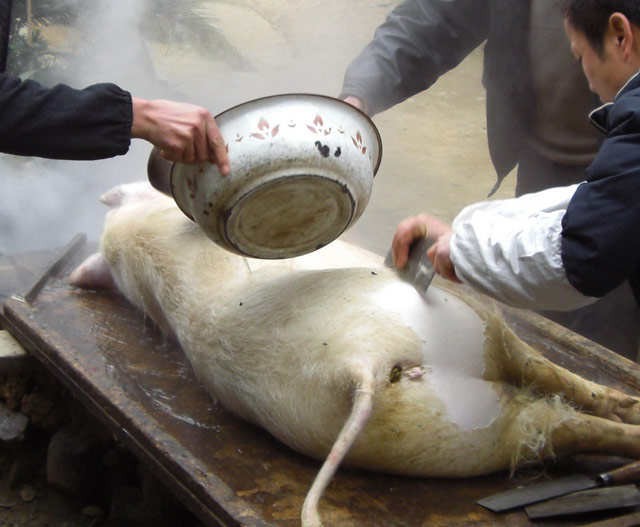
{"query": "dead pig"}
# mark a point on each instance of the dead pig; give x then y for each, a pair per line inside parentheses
(351, 363)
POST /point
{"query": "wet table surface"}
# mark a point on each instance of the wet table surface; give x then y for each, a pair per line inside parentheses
(229, 472)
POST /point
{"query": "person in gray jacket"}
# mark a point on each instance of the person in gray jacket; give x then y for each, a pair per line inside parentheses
(537, 103)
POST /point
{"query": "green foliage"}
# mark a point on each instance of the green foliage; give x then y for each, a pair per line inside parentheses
(167, 21)
(30, 55)
(26, 59)
(48, 12)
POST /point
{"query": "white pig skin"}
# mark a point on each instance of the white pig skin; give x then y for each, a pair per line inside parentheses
(431, 385)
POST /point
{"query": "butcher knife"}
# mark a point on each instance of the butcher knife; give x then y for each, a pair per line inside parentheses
(558, 487)
(418, 270)
(628, 520)
(590, 500)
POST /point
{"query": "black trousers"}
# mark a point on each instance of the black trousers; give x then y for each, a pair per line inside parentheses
(614, 320)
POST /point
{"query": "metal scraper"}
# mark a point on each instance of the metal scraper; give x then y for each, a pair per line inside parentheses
(545, 490)
(591, 500)
(418, 270)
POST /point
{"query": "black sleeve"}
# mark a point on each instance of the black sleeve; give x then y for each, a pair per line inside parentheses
(419, 41)
(601, 234)
(62, 122)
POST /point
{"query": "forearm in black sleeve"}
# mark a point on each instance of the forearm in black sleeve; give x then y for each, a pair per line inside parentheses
(62, 122)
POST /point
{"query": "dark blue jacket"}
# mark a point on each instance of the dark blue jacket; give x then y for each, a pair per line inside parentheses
(601, 228)
(62, 122)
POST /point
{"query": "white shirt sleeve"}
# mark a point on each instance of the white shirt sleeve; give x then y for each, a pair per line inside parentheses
(511, 250)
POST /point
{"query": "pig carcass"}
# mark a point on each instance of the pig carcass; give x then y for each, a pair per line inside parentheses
(345, 362)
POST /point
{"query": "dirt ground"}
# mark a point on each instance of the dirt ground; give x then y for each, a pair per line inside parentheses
(434, 145)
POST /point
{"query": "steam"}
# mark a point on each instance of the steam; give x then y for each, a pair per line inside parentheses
(44, 203)
(290, 46)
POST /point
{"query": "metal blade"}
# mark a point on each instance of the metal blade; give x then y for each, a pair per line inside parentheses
(586, 501)
(418, 270)
(537, 492)
(67, 253)
(628, 520)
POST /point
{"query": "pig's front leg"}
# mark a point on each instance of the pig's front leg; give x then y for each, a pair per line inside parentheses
(93, 273)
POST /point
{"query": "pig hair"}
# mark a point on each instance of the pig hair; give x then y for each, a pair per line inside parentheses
(535, 424)
(313, 357)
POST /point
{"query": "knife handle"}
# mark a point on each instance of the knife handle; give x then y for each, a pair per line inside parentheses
(623, 474)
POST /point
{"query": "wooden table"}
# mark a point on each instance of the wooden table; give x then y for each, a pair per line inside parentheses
(228, 472)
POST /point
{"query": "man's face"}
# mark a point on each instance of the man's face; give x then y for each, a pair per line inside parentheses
(603, 71)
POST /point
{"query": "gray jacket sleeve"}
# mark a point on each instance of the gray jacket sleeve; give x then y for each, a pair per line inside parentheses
(419, 41)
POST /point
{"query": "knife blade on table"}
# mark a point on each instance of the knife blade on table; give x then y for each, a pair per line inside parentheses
(590, 500)
(627, 520)
(545, 490)
(418, 270)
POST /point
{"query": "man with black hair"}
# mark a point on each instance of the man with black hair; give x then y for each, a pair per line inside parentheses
(561, 248)
(537, 103)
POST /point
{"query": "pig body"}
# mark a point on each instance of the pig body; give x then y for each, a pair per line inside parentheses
(340, 359)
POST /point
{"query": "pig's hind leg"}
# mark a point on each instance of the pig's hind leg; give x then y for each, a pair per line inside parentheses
(542, 427)
(521, 365)
(589, 434)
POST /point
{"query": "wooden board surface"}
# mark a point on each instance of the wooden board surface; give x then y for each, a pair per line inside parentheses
(231, 473)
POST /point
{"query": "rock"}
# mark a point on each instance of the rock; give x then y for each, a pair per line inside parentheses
(12, 424)
(159, 503)
(12, 388)
(13, 357)
(92, 511)
(28, 458)
(125, 504)
(40, 409)
(27, 493)
(73, 461)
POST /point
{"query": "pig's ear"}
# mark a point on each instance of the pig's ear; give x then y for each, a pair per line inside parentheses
(129, 193)
(93, 273)
(112, 197)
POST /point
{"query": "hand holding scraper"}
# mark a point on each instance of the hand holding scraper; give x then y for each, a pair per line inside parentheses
(417, 236)
(418, 270)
